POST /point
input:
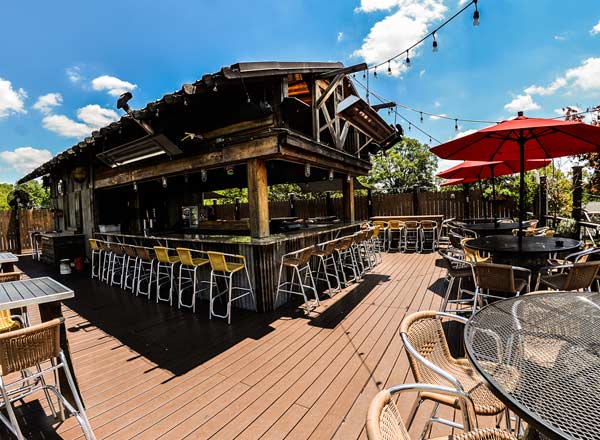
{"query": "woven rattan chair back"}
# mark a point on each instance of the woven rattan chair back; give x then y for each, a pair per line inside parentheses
(380, 223)
(129, 250)
(103, 245)
(343, 244)
(455, 240)
(375, 231)
(185, 255)
(143, 253)
(304, 255)
(581, 275)
(383, 419)
(411, 225)
(330, 248)
(496, 277)
(25, 348)
(396, 224)
(425, 333)
(116, 248)
(217, 261)
(162, 254)
(428, 224)
(470, 253)
(94, 244)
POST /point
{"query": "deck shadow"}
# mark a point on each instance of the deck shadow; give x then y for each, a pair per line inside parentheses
(337, 311)
(174, 340)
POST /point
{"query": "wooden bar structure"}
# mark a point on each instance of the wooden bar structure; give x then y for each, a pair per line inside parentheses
(250, 125)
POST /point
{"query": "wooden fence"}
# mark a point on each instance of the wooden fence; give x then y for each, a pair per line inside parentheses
(29, 220)
(448, 204)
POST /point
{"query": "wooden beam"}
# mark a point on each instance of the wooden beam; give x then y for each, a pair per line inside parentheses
(329, 90)
(228, 154)
(348, 197)
(258, 199)
(344, 70)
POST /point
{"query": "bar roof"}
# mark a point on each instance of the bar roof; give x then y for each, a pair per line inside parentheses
(235, 71)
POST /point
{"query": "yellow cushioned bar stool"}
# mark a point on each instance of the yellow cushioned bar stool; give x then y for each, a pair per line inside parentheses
(384, 228)
(106, 258)
(396, 230)
(167, 263)
(96, 256)
(10, 322)
(188, 275)
(222, 267)
(129, 267)
(144, 270)
(117, 266)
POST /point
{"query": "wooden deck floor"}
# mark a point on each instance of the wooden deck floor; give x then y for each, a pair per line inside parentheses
(149, 371)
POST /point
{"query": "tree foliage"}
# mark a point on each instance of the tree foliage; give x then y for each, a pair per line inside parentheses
(39, 196)
(406, 164)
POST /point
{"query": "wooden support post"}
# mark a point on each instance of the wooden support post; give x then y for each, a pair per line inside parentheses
(467, 201)
(543, 200)
(292, 205)
(415, 200)
(328, 204)
(348, 195)
(258, 198)
(577, 197)
(215, 208)
(369, 204)
(237, 209)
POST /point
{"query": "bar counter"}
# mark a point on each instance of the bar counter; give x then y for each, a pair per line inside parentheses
(263, 255)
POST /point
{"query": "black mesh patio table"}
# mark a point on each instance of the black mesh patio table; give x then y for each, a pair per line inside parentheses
(551, 343)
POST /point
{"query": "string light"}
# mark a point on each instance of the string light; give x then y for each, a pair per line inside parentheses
(389, 68)
(375, 72)
(409, 126)
(421, 117)
(431, 34)
(456, 124)
(203, 175)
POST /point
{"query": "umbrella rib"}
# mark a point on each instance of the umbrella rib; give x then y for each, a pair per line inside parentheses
(504, 139)
(535, 138)
(578, 138)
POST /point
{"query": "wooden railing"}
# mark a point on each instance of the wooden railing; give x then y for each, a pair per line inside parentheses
(29, 220)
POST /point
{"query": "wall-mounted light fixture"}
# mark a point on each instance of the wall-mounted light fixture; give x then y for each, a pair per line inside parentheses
(164, 182)
(330, 174)
(203, 175)
(135, 186)
(307, 170)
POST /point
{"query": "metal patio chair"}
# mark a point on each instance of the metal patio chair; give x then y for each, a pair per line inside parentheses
(302, 281)
(431, 363)
(36, 347)
(499, 278)
(429, 234)
(457, 269)
(473, 256)
(569, 277)
(412, 236)
(384, 421)
(395, 228)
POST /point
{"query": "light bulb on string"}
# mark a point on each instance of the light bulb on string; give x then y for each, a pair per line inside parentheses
(389, 68)
(429, 139)
(456, 124)
(475, 15)
(375, 72)
(407, 60)
(421, 117)
(364, 75)
(409, 126)
(435, 43)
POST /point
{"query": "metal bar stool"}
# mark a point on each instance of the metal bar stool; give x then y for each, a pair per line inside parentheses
(396, 227)
(429, 234)
(166, 262)
(327, 266)
(221, 268)
(375, 243)
(144, 270)
(298, 262)
(412, 232)
(117, 264)
(106, 260)
(130, 267)
(362, 256)
(347, 260)
(96, 255)
(384, 229)
(190, 265)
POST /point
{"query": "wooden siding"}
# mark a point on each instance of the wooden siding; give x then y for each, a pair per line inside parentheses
(29, 219)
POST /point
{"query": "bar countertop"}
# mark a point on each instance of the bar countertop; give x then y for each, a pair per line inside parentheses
(243, 239)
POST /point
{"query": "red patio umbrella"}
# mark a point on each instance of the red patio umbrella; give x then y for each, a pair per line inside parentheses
(522, 139)
(451, 182)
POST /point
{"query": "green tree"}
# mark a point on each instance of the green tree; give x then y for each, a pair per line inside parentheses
(5, 189)
(39, 196)
(406, 164)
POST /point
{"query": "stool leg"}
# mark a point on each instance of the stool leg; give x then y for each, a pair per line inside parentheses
(278, 284)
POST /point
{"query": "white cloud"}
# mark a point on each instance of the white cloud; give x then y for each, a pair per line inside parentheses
(464, 133)
(422, 73)
(586, 76)
(25, 159)
(46, 103)
(65, 126)
(408, 21)
(11, 101)
(596, 29)
(436, 117)
(522, 103)
(561, 37)
(462, 2)
(91, 117)
(446, 164)
(340, 37)
(74, 74)
(551, 89)
(437, 104)
(113, 85)
(96, 117)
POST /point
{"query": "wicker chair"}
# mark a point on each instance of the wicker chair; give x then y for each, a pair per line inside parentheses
(499, 278)
(10, 322)
(472, 255)
(569, 277)
(384, 421)
(431, 362)
(457, 269)
(30, 347)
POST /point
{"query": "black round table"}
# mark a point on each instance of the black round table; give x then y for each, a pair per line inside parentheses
(529, 252)
(493, 228)
(540, 354)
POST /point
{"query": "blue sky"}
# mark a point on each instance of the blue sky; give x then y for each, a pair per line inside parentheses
(539, 55)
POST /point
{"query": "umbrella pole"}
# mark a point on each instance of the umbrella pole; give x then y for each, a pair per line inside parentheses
(521, 186)
(493, 194)
(485, 211)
